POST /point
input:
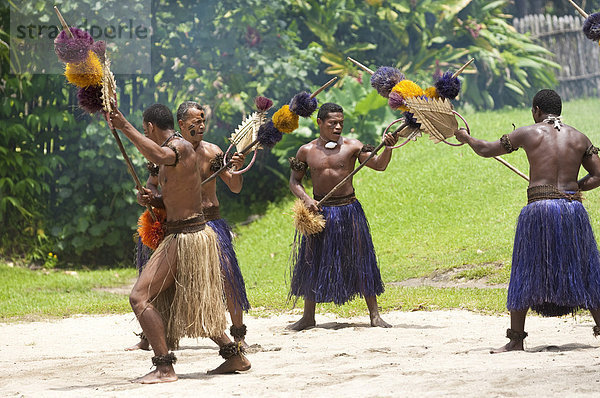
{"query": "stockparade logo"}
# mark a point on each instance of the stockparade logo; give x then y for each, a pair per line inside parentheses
(126, 29)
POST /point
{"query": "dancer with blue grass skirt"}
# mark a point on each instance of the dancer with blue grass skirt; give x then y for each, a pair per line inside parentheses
(339, 263)
(555, 263)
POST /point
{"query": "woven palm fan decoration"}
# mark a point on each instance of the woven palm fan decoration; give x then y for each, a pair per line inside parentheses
(591, 25)
(435, 115)
(269, 133)
(247, 132)
(87, 66)
(446, 88)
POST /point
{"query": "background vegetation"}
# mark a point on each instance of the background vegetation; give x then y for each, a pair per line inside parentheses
(63, 186)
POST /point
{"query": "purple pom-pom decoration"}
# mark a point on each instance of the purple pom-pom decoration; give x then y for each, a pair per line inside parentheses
(591, 26)
(269, 135)
(99, 48)
(395, 100)
(263, 104)
(448, 86)
(303, 105)
(90, 98)
(385, 78)
(410, 119)
(73, 49)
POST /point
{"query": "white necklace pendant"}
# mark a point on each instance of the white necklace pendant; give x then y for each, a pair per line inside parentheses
(330, 144)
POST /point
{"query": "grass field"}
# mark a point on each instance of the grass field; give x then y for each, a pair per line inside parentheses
(435, 208)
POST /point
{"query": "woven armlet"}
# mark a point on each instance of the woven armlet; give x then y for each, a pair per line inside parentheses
(367, 148)
(152, 168)
(506, 144)
(297, 165)
(591, 150)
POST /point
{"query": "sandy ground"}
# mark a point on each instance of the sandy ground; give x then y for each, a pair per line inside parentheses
(442, 353)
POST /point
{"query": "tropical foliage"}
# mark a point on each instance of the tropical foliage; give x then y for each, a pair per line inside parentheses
(63, 185)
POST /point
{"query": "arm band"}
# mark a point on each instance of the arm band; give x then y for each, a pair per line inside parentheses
(506, 144)
(297, 165)
(174, 149)
(591, 150)
(367, 148)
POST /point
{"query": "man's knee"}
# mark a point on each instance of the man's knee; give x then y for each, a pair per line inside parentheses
(137, 301)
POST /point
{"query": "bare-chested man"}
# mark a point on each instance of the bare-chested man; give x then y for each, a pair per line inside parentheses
(339, 263)
(555, 264)
(191, 120)
(183, 277)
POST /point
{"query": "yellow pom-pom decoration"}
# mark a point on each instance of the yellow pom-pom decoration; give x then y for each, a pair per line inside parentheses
(431, 92)
(407, 89)
(285, 120)
(86, 73)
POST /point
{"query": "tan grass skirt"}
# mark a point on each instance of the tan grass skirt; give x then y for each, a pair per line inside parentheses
(195, 305)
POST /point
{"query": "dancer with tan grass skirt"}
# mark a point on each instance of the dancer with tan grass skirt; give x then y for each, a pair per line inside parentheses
(180, 290)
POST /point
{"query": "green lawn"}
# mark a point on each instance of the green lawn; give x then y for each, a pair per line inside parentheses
(436, 207)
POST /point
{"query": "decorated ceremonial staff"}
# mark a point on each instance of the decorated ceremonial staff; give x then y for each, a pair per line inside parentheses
(591, 26)
(285, 120)
(87, 66)
(391, 83)
(436, 114)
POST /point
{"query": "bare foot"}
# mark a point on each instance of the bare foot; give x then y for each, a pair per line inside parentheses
(143, 344)
(302, 323)
(237, 363)
(164, 374)
(513, 345)
(376, 321)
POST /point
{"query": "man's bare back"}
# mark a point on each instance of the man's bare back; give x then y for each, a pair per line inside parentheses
(555, 156)
(554, 241)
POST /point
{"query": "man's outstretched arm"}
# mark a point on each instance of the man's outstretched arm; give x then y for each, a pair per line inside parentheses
(483, 148)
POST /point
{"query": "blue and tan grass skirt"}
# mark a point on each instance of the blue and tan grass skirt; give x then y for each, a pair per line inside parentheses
(339, 263)
(232, 275)
(555, 263)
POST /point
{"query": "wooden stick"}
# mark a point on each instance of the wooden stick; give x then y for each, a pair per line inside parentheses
(363, 164)
(63, 22)
(462, 68)
(323, 87)
(137, 181)
(361, 66)
(513, 168)
(251, 145)
(579, 9)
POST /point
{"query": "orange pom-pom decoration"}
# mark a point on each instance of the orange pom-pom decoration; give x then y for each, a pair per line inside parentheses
(285, 120)
(151, 232)
(431, 92)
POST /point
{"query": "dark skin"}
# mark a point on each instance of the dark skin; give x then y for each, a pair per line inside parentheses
(192, 129)
(180, 188)
(555, 158)
(328, 167)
